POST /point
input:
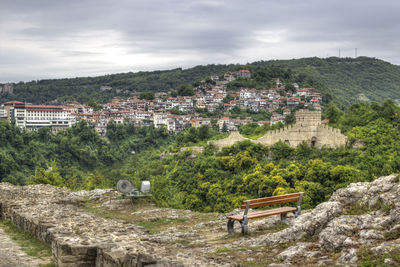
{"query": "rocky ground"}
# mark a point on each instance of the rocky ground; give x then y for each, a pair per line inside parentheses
(358, 226)
(11, 255)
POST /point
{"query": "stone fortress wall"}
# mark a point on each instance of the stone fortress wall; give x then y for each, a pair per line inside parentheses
(229, 141)
(78, 238)
(308, 129)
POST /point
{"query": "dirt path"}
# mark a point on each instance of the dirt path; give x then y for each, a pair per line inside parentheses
(12, 255)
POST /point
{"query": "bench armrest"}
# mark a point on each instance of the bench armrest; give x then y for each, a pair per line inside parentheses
(298, 210)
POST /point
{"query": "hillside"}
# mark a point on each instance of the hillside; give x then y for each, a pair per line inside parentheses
(347, 78)
(342, 79)
(357, 226)
(212, 180)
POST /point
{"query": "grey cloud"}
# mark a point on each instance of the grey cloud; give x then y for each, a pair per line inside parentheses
(188, 32)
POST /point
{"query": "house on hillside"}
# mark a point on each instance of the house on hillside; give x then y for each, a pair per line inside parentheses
(196, 123)
(293, 101)
(229, 124)
(243, 74)
(229, 77)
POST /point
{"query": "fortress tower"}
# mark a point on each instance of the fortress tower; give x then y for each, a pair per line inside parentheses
(308, 129)
(306, 117)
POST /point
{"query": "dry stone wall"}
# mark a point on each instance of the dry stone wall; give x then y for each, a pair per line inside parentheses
(308, 129)
(79, 238)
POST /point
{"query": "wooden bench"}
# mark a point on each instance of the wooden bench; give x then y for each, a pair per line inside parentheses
(243, 218)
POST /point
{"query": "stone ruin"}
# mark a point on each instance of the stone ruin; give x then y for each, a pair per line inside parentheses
(79, 238)
(363, 215)
(308, 128)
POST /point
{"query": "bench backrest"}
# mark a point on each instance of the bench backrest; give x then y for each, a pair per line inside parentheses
(266, 201)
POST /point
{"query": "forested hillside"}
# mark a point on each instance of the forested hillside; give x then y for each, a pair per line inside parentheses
(342, 79)
(346, 78)
(86, 88)
(210, 181)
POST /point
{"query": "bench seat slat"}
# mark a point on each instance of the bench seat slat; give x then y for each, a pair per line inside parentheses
(262, 213)
(263, 199)
(269, 202)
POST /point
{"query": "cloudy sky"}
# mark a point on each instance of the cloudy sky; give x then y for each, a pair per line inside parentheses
(57, 38)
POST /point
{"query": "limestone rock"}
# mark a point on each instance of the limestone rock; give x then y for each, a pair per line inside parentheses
(348, 256)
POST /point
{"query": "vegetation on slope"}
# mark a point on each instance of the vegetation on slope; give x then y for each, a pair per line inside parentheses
(219, 182)
(80, 155)
(211, 181)
(345, 78)
(341, 79)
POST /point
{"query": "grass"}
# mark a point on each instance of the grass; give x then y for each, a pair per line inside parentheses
(261, 255)
(278, 227)
(154, 223)
(30, 245)
(181, 241)
(392, 235)
(379, 205)
(256, 263)
(357, 209)
(368, 259)
(362, 208)
(254, 136)
(223, 250)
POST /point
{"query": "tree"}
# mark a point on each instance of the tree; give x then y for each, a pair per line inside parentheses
(235, 110)
(94, 105)
(204, 132)
(224, 127)
(290, 118)
(332, 113)
(290, 87)
(209, 81)
(185, 90)
(96, 180)
(147, 95)
(281, 150)
(50, 176)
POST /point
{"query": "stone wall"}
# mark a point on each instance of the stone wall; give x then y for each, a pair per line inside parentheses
(230, 140)
(308, 129)
(195, 149)
(79, 238)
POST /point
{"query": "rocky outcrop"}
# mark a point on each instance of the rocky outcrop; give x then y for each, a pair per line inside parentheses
(361, 215)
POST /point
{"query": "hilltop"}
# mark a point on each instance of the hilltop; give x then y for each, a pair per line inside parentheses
(345, 80)
(358, 225)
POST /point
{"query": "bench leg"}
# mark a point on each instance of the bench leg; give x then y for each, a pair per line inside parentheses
(283, 218)
(245, 228)
(230, 226)
(297, 212)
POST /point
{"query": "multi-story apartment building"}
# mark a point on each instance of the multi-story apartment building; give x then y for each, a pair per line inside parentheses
(3, 114)
(160, 119)
(31, 117)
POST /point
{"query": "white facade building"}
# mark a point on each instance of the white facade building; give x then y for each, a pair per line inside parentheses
(35, 116)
